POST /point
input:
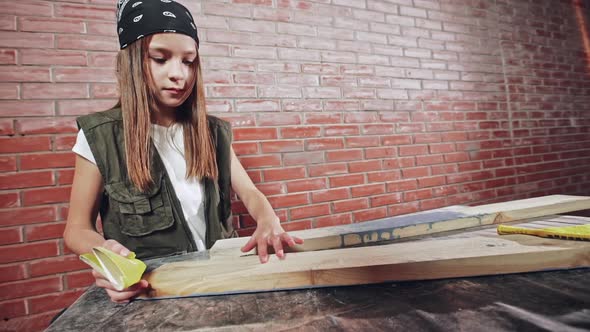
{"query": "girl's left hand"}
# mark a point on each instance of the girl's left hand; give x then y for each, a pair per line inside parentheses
(270, 233)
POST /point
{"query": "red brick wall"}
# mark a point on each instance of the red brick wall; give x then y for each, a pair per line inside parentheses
(343, 111)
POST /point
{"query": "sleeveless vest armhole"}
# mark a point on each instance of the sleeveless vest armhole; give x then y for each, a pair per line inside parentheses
(226, 128)
(82, 148)
(88, 124)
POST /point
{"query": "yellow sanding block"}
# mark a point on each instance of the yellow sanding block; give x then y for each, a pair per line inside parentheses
(579, 232)
(121, 271)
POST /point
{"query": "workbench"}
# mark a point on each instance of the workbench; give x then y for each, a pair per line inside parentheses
(535, 301)
(542, 301)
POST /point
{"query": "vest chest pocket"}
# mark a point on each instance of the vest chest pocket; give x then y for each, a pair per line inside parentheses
(141, 213)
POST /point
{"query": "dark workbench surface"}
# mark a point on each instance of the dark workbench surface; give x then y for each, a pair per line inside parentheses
(542, 301)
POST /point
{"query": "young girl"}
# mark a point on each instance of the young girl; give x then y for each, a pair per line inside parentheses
(156, 167)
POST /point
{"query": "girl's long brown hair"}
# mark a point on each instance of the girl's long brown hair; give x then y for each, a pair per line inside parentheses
(137, 103)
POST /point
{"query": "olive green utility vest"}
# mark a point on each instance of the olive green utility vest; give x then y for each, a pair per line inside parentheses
(152, 223)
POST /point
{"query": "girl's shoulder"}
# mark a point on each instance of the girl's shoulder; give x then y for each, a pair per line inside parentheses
(218, 123)
(93, 120)
(220, 128)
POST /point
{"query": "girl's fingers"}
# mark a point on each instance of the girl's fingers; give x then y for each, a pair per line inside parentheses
(249, 245)
(297, 240)
(262, 251)
(126, 294)
(286, 238)
(262, 239)
(97, 275)
(277, 243)
(116, 247)
(103, 283)
(123, 296)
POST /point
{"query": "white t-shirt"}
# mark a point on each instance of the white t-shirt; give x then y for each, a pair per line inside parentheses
(170, 145)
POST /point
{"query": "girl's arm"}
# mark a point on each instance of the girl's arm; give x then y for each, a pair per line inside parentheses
(268, 230)
(81, 236)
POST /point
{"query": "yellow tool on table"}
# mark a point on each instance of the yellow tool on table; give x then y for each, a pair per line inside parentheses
(578, 232)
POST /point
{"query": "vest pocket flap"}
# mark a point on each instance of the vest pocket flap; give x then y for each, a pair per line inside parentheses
(141, 206)
(120, 192)
(141, 213)
(138, 225)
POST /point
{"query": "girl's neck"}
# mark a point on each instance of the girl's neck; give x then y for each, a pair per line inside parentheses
(164, 116)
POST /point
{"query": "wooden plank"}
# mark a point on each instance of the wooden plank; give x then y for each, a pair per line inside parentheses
(415, 260)
(228, 272)
(423, 223)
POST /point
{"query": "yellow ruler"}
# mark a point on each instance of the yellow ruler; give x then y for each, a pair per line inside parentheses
(579, 232)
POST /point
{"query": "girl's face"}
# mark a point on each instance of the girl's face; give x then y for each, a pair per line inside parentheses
(172, 59)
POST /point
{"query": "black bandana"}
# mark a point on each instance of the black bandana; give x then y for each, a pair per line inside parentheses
(139, 18)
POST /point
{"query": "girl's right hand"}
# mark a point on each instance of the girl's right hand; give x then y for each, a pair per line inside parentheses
(128, 293)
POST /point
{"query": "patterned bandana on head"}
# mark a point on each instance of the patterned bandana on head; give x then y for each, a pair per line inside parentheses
(139, 18)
